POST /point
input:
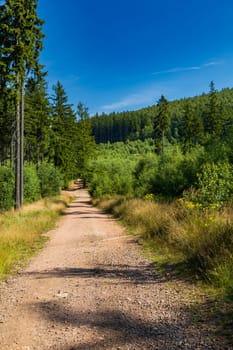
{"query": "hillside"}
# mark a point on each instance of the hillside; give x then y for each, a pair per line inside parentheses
(139, 124)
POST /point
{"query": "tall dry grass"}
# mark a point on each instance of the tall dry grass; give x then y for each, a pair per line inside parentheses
(203, 239)
(21, 232)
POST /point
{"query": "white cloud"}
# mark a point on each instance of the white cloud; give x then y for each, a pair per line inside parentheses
(146, 96)
(131, 100)
(185, 69)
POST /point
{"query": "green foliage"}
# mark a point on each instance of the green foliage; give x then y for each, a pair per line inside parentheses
(176, 171)
(144, 174)
(37, 120)
(167, 175)
(191, 127)
(192, 121)
(50, 179)
(161, 123)
(111, 176)
(31, 184)
(213, 118)
(85, 145)
(7, 188)
(214, 183)
(222, 275)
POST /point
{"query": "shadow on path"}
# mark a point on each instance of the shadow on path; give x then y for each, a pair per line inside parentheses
(131, 274)
(113, 328)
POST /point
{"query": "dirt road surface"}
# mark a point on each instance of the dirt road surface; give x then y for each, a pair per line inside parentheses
(91, 288)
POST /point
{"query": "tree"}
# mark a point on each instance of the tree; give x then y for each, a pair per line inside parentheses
(85, 140)
(63, 134)
(213, 118)
(37, 123)
(191, 126)
(161, 124)
(21, 43)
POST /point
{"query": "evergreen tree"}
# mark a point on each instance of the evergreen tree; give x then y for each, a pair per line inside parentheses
(37, 130)
(21, 43)
(213, 118)
(161, 124)
(63, 135)
(191, 127)
(85, 140)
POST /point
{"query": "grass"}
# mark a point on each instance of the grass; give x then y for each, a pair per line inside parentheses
(189, 244)
(21, 232)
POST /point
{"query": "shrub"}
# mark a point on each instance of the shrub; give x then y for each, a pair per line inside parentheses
(144, 174)
(50, 179)
(175, 171)
(6, 188)
(31, 184)
(214, 183)
(111, 177)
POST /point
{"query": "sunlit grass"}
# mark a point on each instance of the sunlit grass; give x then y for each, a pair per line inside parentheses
(199, 241)
(21, 232)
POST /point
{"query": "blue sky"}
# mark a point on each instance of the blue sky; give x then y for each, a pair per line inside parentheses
(116, 55)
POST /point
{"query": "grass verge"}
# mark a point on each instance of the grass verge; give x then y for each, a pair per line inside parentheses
(188, 244)
(21, 232)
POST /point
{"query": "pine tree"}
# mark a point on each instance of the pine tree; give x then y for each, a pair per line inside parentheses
(161, 124)
(64, 134)
(213, 118)
(37, 122)
(85, 140)
(191, 126)
(21, 43)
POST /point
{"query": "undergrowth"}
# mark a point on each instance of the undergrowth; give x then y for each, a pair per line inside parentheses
(200, 240)
(190, 244)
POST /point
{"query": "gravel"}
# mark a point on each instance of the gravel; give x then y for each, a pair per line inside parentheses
(92, 288)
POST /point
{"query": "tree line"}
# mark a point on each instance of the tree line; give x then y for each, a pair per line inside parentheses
(189, 121)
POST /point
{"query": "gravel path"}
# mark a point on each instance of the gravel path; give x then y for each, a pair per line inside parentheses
(91, 288)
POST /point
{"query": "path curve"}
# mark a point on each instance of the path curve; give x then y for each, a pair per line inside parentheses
(91, 288)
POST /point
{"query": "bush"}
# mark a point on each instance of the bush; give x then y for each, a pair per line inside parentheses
(175, 171)
(50, 180)
(144, 174)
(6, 188)
(111, 177)
(169, 177)
(214, 183)
(31, 184)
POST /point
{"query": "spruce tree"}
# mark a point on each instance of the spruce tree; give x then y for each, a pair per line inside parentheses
(161, 124)
(37, 122)
(63, 133)
(21, 43)
(191, 126)
(213, 118)
(85, 139)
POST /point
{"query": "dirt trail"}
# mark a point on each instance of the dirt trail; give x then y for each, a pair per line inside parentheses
(91, 288)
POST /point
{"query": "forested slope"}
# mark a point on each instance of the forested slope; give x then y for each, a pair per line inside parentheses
(192, 113)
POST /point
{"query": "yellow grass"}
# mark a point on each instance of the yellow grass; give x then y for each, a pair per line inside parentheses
(201, 239)
(21, 232)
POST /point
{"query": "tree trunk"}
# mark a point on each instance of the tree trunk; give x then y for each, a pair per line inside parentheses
(21, 143)
(17, 149)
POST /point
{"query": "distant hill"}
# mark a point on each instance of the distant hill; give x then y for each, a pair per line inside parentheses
(139, 124)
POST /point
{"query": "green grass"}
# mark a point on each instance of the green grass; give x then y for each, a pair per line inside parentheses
(21, 232)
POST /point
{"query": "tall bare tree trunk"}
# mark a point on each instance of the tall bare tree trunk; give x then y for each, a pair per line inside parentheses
(21, 143)
(17, 149)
